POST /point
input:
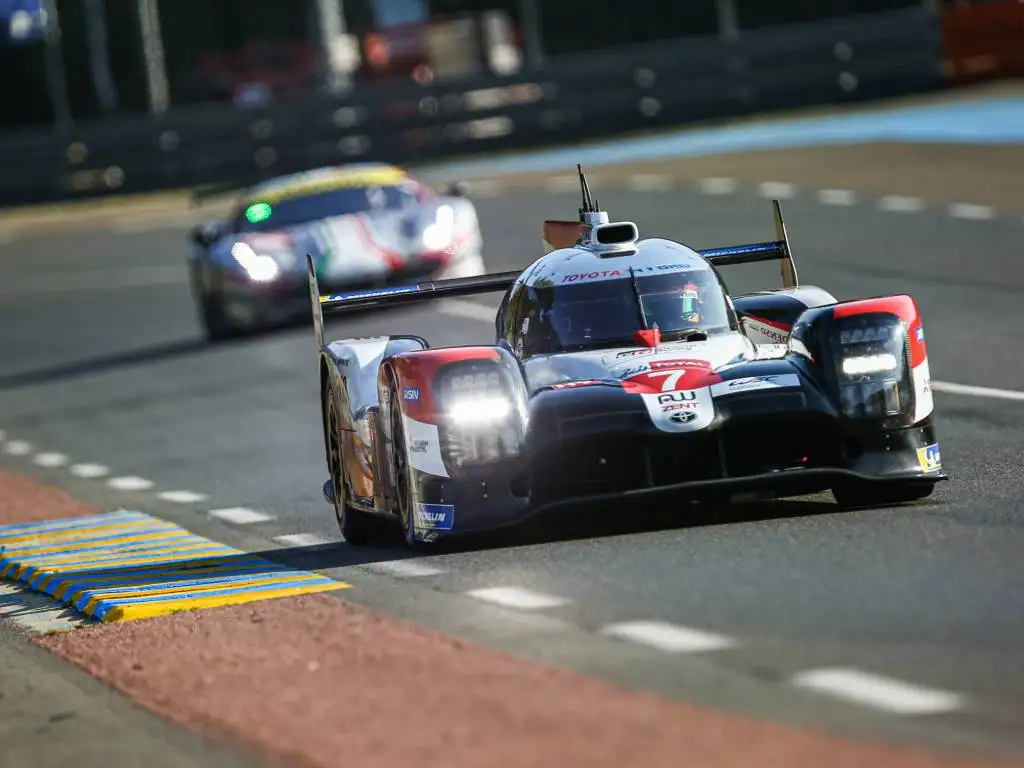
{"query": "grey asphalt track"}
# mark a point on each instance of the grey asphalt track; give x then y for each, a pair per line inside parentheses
(933, 594)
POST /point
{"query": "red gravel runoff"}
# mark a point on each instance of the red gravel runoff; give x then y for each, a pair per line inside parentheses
(322, 682)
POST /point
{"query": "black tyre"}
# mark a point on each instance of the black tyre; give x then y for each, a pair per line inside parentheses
(402, 474)
(357, 526)
(862, 495)
(212, 316)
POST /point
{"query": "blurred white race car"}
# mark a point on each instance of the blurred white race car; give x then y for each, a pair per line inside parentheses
(366, 226)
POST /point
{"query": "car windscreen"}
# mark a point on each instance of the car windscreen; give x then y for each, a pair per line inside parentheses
(265, 216)
(606, 313)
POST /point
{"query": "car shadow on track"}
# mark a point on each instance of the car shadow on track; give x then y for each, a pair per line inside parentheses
(571, 525)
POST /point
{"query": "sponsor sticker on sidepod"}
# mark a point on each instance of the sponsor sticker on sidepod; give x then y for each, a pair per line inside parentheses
(685, 410)
(435, 517)
(752, 383)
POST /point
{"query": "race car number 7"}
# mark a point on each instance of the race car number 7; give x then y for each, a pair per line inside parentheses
(671, 378)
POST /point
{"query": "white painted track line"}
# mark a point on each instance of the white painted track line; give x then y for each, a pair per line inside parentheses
(89, 470)
(837, 197)
(562, 184)
(18, 448)
(900, 204)
(130, 483)
(777, 190)
(303, 540)
(717, 186)
(182, 497)
(404, 569)
(666, 637)
(883, 693)
(240, 515)
(517, 597)
(971, 211)
(48, 459)
(650, 182)
(972, 391)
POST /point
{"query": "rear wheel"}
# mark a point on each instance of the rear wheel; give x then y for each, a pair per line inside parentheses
(357, 526)
(860, 495)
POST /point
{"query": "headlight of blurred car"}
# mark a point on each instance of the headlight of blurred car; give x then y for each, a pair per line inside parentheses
(259, 267)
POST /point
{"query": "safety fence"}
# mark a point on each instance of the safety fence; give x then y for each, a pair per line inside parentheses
(573, 98)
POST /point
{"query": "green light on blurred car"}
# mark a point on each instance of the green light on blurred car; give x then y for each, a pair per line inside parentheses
(257, 212)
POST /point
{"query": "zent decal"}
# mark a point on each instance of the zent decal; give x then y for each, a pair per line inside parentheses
(681, 411)
(930, 458)
(435, 517)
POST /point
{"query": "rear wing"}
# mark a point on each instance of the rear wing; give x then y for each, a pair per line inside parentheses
(337, 303)
(565, 234)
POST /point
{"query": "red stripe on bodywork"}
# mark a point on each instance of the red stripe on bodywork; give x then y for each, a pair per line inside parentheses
(901, 305)
(393, 259)
(417, 370)
(773, 323)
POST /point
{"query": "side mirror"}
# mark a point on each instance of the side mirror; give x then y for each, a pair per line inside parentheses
(458, 189)
(205, 234)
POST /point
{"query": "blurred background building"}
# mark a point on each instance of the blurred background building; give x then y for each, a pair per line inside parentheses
(69, 60)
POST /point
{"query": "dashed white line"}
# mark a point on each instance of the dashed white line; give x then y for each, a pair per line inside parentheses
(468, 309)
(650, 182)
(240, 515)
(517, 597)
(900, 204)
(717, 186)
(88, 470)
(130, 483)
(562, 184)
(49, 459)
(971, 211)
(303, 540)
(781, 190)
(973, 391)
(668, 637)
(18, 447)
(182, 497)
(404, 569)
(485, 188)
(837, 197)
(879, 692)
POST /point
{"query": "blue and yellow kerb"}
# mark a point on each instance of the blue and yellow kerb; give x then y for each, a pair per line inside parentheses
(121, 566)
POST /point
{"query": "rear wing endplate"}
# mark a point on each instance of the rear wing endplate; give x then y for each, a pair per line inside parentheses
(565, 234)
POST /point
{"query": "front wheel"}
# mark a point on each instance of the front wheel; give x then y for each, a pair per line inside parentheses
(860, 495)
(212, 314)
(357, 526)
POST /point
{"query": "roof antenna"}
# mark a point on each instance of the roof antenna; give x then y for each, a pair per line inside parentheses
(590, 212)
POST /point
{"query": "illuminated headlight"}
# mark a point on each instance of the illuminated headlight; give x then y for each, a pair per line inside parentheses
(438, 235)
(859, 366)
(474, 412)
(260, 268)
(481, 417)
(874, 377)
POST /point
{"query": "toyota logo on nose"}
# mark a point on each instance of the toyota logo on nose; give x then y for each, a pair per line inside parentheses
(683, 417)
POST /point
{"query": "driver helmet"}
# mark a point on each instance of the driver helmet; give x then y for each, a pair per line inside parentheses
(675, 308)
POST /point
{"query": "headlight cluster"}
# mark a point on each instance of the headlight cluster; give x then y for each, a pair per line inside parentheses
(480, 414)
(872, 360)
(260, 267)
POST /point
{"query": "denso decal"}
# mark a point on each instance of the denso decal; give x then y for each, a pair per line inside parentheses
(694, 410)
(752, 383)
